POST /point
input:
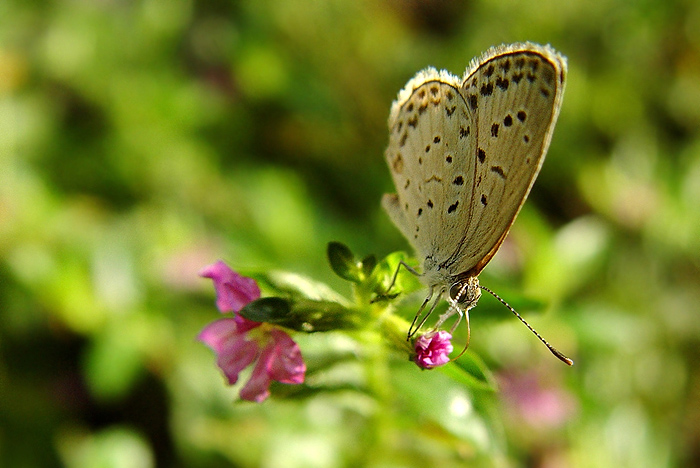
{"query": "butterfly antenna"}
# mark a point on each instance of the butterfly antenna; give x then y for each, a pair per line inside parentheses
(554, 350)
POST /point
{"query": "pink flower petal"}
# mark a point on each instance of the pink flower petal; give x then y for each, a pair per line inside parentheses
(287, 365)
(233, 291)
(244, 324)
(258, 386)
(234, 352)
(433, 349)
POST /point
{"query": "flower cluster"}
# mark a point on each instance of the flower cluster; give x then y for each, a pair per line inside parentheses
(239, 342)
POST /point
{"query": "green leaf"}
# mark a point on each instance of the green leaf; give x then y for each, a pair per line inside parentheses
(267, 309)
(472, 372)
(368, 264)
(305, 315)
(293, 285)
(431, 397)
(383, 274)
(343, 262)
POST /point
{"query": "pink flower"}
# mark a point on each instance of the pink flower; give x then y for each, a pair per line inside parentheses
(239, 342)
(433, 349)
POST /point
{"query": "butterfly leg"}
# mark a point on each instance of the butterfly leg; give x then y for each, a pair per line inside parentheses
(396, 273)
(386, 294)
(469, 334)
(454, 307)
(414, 328)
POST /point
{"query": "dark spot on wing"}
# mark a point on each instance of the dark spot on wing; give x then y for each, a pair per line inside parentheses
(487, 89)
(502, 83)
(453, 207)
(430, 203)
(522, 116)
(483, 200)
(397, 163)
(548, 75)
(494, 130)
(436, 139)
(448, 159)
(508, 121)
(498, 170)
(473, 101)
(459, 180)
(481, 154)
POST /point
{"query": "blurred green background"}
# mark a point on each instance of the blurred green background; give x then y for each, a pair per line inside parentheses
(143, 140)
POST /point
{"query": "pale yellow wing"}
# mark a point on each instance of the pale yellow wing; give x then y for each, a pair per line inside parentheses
(514, 93)
(429, 138)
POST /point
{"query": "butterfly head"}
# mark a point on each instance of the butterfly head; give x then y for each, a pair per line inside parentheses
(465, 292)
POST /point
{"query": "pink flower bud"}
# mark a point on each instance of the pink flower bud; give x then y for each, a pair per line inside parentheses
(433, 349)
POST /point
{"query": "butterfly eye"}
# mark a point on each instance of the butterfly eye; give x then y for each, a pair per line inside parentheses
(459, 292)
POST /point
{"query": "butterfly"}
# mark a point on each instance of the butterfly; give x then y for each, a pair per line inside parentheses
(464, 154)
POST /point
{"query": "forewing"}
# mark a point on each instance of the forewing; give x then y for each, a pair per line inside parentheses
(514, 94)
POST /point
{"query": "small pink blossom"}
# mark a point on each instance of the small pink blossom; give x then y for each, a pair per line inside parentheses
(433, 349)
(275, 354)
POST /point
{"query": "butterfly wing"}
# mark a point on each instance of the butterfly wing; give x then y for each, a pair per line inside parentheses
(429, 138)
(514, 93)
(464, 153)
